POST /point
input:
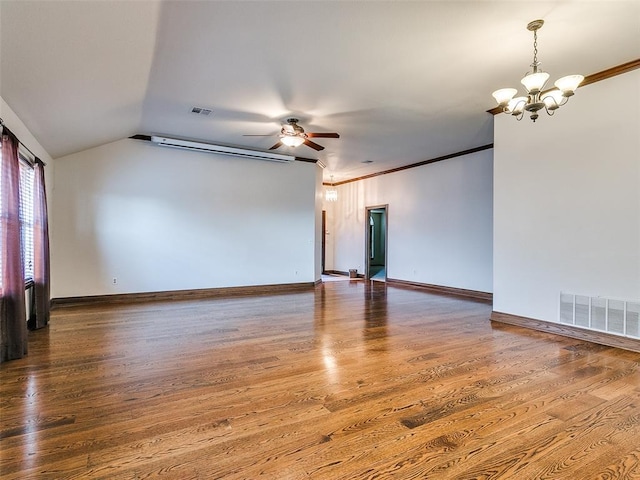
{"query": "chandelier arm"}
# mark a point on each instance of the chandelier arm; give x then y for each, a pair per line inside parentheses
(550, 112)
(550, 98)
(562, 102)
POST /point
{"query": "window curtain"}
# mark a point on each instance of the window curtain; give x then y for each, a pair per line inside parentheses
(13, 325)
(40, 300)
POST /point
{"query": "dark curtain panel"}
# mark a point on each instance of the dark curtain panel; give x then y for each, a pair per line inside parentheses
(13, 325)
(40, 312)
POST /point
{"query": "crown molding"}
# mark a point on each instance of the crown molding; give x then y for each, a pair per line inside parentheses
(413, 165)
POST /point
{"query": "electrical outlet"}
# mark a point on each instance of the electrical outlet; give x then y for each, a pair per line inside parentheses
(115, 280)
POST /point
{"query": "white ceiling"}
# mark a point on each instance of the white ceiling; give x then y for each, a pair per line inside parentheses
(400, 81)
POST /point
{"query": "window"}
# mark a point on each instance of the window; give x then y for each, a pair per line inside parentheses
(26, 216)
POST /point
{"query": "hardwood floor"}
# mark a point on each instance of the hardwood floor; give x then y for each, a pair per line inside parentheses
(351, 380)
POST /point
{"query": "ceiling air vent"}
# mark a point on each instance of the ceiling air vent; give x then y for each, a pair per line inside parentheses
(201, 111)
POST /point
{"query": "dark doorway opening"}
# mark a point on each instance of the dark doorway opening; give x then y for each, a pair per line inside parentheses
(376, 243)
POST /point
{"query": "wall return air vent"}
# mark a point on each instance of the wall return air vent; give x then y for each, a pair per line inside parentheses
(618, 317)
(220, 149)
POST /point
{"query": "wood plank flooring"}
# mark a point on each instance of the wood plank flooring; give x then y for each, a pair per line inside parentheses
(350, 380)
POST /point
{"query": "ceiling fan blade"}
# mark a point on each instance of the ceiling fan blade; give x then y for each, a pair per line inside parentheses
(313, 145)
(278, 144)
(323, 135)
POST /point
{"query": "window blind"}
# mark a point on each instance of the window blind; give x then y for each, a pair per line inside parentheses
(26, 217)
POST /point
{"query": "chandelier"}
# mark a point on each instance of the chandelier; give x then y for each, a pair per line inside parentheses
(534, 82)
(331, 194)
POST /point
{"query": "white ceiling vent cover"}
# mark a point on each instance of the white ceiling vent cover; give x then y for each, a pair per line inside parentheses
(220, 149)
(201, 111)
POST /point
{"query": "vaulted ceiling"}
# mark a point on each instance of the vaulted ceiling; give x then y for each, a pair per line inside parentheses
(400, 81)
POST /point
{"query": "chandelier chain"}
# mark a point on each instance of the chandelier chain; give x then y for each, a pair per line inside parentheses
(535, 47)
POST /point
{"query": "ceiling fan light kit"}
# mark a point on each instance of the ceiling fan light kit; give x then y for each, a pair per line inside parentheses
(291, 140)
(534, 82)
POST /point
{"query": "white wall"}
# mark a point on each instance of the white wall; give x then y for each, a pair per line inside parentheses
(21, 131)
(439, 223)
(567, 201)
(159, 219)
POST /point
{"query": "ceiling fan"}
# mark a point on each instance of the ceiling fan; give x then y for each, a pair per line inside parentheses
(293, 135)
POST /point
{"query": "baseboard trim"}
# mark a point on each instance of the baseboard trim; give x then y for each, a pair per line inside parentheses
(336, 272)
(442, 290)
(221, 292)
(340, 272)
(567, 331)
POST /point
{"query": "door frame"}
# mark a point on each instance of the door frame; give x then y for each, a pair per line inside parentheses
(367, 239)
(324, 240)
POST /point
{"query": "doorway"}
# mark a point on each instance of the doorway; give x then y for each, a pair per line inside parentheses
(376, 243)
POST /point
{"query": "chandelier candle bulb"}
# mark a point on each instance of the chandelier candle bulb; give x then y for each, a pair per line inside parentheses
(534, 82)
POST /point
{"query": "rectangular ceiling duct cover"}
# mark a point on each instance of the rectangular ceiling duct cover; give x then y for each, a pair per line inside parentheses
(221, 149)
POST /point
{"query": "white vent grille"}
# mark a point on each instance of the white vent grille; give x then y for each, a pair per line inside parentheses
(608, 315)
(201, 111)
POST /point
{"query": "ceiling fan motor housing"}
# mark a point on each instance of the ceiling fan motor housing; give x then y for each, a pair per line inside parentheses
(292, 127)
